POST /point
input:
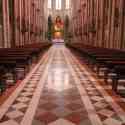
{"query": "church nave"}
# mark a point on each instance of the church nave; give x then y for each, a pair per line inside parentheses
(62, 62)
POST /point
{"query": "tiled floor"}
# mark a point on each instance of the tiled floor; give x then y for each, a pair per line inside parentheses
(61, 90)
(8, 92)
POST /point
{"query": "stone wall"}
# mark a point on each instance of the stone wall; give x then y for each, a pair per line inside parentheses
(23, 22)
(100, 23)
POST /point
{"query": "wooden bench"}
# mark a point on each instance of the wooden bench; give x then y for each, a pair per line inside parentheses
(117, 68)
(113, 60)
(19, 57)
(2, 79)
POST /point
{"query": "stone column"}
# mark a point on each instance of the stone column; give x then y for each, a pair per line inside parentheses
(12, 22)
(97, 23)
(109, 24)
(26, 21)
(21, 17)
(38, 25)
(63, 8)
(6, 28)
(112, 25)
(42, 20)
(29, 21)
(1, 26)
(102, 23)
(20, 24)
(16, 13)
(37, 21)
(117, 17)
(88, 20)
(33, 21)
(122, 25)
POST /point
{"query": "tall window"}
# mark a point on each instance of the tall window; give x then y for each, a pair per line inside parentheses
(58, 4)
(49, 4)
(1, 12)
(67, 4)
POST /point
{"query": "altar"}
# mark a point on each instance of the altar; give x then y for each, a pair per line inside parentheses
(58, 28)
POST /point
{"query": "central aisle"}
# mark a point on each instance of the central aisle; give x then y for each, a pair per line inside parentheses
(60, 102)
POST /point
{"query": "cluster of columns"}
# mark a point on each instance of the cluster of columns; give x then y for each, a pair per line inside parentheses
(100, 23)
(22, 22)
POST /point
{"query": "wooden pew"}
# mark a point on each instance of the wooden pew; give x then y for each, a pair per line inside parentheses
(2, 79)
(118, 69)
(19, 57)
(112, 60)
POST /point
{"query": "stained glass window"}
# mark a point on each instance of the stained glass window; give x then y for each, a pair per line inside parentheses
(49, 4)
(67, 4)
(58, 4)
